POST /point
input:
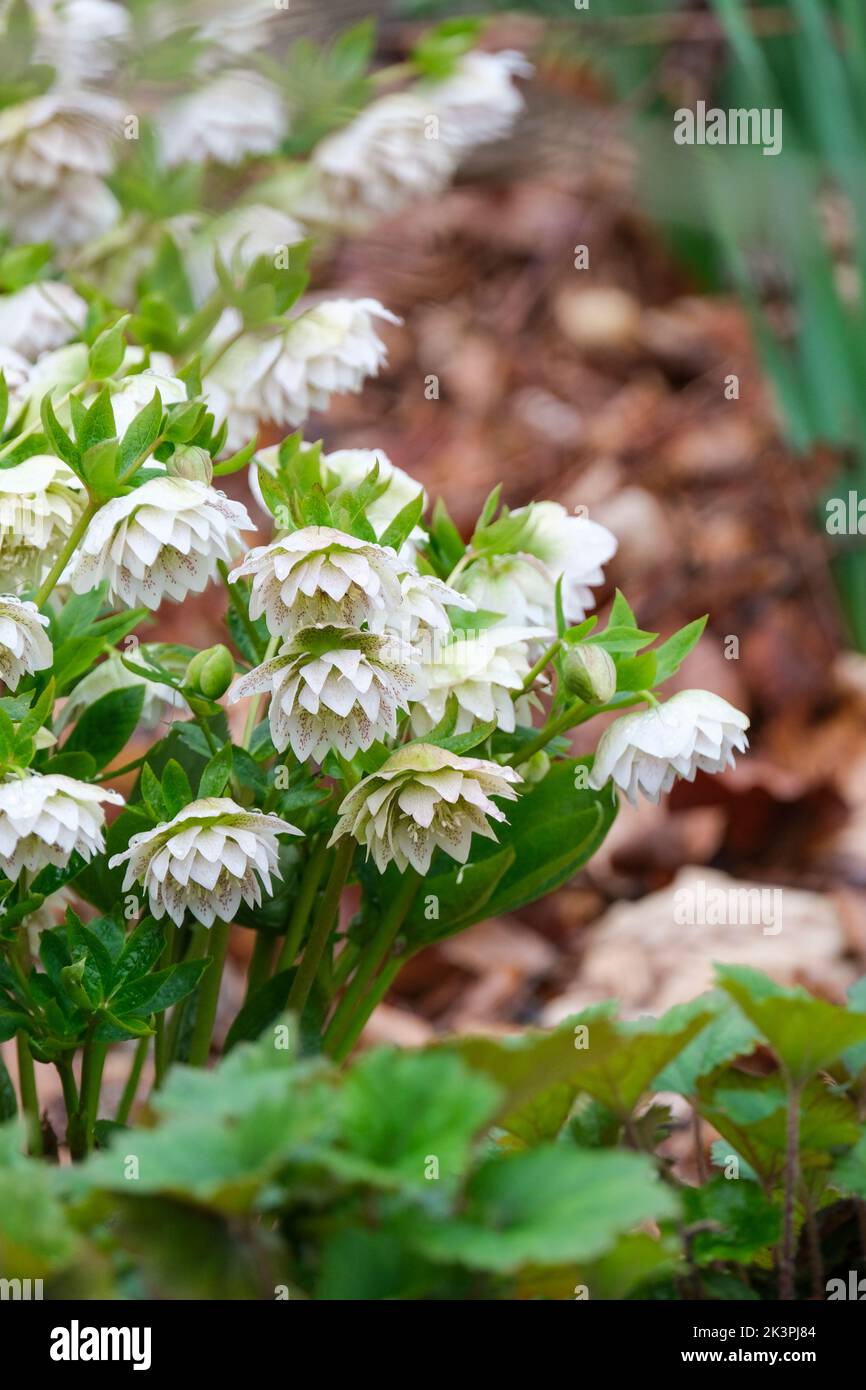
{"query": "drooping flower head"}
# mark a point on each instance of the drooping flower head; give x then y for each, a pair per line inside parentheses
(570, 546)
(45, 820)
(424, 603)
(236, 115)
(479, 101)
(321, 575)
(647, 751)
(162, 539)
(24, 645)
(422, 798)
(482, 671)
(62, 132)
(334, 687)
(213, 855)
(41, 500)
(520, 587)
(41, 316)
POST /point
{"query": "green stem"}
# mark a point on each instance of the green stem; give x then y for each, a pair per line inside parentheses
(537, 669)
(466, 558)
(29, 1095)
(260, 965)
(63, 558)
(199, 1048)
(130, 1090)
(237, 603)
(81, 1128)
(255, 702)
(70, 1090)
(371, 1001)
(373, 956)
(313, 871)
(139, 460)
(322, 926)
(792, 1146)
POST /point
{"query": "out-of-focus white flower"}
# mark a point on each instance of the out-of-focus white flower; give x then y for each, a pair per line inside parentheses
(517, 586)
(236, 115)
(43, 315)
(346, 469)
(482, 671)
(571, 546)
(41, 501)
(648, 750)
(479, 101)
(330, 349)
(56, 373)
(50, 913)
(76, 209)
(226, 27)
(162, 539)
(83, 38)
(425, 600)
(64, 131)
(45, 820)
(334, 687)
(422, 798)
(240, 236)
(320, 575)
(24, 645)
(390, 155)
(16, 371)
(111, 675)
(134, 392)
(213, 855)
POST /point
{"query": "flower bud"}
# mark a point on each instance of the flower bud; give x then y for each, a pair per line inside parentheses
(589, 673)
(189, 461)
(211, 672)
(536, 768)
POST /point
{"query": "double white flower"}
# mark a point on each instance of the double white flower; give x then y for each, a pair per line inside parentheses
(24, 644)
(330, 349)
(45, 820)
(483, 671)
(571, 547)
(41, 500)
(163, 538)
(236, 115)
(422, 798)
(647, 751)
(334, 687)
(321, 575)
(41, 316)
(213, 855)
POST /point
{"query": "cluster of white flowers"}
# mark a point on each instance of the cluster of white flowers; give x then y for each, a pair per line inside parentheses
(408, 145)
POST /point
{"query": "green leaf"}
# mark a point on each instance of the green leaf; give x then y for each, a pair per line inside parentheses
(258, 1013)
(151, 794)
(4, 400)
(142, 433)
(550, 1205)
(806, 1034)
(59, 439)
(673, 652)
(176, 790)
(746, 1222)
(140, 953)
(107, 726)
(108, 351)
(727, 1035)
(98, 422)
(150, 994)
(400, 529)
(217, 773)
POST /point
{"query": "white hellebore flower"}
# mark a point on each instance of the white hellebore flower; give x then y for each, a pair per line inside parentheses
(82, 37)
(236, 115)
(134, 392)
(421, 798)
(388, 157)
(479, 101)
(41, 500)
(64, 131)
(425, 600)
(571, 546)
(517, 586)
(163, 538)
(648, 750)
(45, 820)
(17, 371)
(75, 209)
(334, 687)
(24, 645)
(321, 575)
(346, 469)
(41, 316)
(330, 349)
(482, 670)
(209, 858)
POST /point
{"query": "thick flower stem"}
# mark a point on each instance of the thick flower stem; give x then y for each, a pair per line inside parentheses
(199, 1048)
(372, 957)
(130, 1090)
(29, 1094)
(312, 877)
(260, 963)
(322, 926)
(63, 558)
(532, 676)
(558, 725)
(372, 999)
(80, 1134)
